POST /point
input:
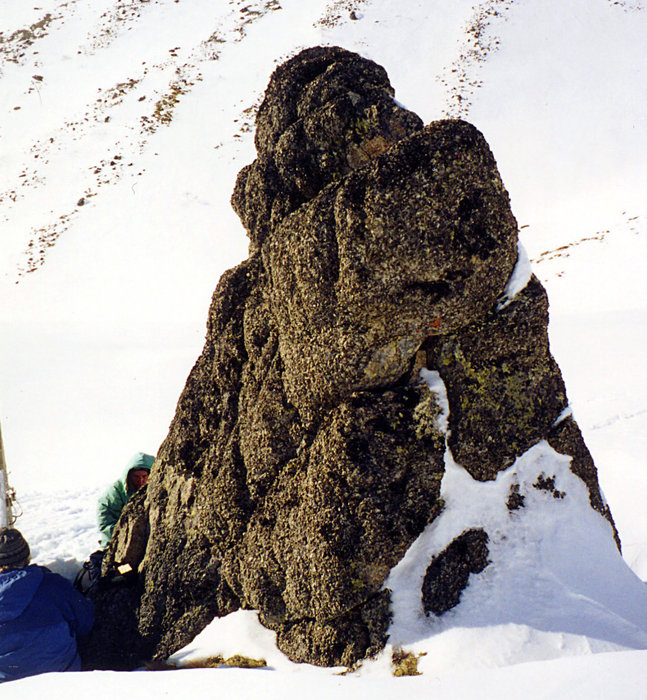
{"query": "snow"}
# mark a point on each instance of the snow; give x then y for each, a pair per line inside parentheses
(614, 675)
(104, 304)
(519, 278)
(438, 389)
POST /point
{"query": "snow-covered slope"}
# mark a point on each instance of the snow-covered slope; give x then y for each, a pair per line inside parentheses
(123, 124)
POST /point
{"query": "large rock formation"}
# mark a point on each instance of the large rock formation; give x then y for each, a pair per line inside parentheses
(305, 456)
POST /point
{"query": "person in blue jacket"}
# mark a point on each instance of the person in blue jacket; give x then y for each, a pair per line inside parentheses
(41, 615)
(115, 498)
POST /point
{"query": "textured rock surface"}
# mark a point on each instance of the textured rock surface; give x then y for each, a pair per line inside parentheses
(305, 458)
(448, 574)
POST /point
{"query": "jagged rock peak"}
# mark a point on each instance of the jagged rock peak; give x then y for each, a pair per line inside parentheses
(325, 112)
(361, 214)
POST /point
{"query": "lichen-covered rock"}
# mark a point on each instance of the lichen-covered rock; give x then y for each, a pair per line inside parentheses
(306, 456)
(448, 573)
(417, 243)
(498, 368)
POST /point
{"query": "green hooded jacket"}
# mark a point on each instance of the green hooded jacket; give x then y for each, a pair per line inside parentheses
(115, 498)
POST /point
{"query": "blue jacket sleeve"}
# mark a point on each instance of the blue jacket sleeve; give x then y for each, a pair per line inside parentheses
(76, 609)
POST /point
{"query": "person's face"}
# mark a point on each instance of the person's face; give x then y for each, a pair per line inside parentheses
(137, 478)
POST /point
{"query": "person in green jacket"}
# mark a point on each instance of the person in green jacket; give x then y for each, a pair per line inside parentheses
(115, 498)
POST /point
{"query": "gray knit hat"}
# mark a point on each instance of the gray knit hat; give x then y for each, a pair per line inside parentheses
(14, 550)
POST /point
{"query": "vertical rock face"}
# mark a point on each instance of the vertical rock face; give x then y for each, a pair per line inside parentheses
(306, 456)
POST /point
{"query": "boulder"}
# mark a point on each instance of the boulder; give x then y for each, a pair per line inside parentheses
(306, 454)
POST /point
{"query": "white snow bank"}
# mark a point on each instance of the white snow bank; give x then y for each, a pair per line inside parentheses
(618, 675)
(555, 586)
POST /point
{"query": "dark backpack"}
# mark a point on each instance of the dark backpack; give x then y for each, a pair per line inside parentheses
(90, 580)
(88, 577)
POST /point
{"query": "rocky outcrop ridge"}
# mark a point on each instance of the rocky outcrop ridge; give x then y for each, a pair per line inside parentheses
(306, 455)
